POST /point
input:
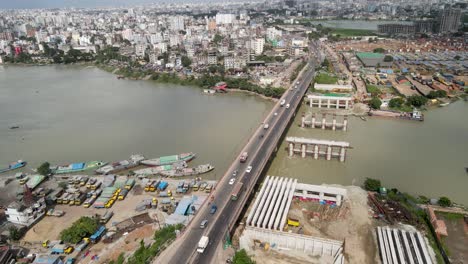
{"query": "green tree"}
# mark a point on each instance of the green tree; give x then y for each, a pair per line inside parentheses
(44, 169)
(457, 57)
(241, 257)
(217, 38)
(186, 61)
(15, 233)
(437, 94)
(445, 201)
(83, 227)
(396, 102)
(372, 184)
(417, 100)
(379, 50)
(388, 58)
(375, 103)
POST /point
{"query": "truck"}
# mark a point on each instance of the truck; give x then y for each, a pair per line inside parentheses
(163, 194)
(91, 181)
(89, 202)
(49, 244)
(123, 194)
(83, 181)
(53, 212)
(282, 102)
(162, 186)
(236, 191)
(61, 249)
(79, 199)
(129, 184)
(106, 217)
(213, 209)
(266, 126)
(96, 185)
(202, 244)
(97, 235)
(293, 222)
(83, 244)
(243, 157)
(148, 186)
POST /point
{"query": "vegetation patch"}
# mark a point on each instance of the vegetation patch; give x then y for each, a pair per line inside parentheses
(325, 78)
(83, 227)
(346, 32)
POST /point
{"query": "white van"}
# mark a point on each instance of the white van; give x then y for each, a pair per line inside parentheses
(287, 106)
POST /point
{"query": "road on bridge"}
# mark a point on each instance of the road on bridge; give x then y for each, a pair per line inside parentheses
(260, 147)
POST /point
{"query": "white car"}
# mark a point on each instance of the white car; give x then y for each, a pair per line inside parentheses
(249, 169)
(275, 114)
(287, 106)
(231, 181)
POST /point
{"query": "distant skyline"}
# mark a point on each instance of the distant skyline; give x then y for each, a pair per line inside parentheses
(32, 4)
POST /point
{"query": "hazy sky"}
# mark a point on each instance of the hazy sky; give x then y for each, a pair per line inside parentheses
(9, 4)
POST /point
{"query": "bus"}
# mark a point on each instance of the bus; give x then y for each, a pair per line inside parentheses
(237, 191)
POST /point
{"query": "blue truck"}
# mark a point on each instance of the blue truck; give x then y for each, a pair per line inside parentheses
(162, 186)
(98, 234)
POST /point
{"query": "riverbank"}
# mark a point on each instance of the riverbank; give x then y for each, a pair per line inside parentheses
(203, 81)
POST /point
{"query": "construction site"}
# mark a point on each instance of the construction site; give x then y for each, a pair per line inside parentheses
(291, 222)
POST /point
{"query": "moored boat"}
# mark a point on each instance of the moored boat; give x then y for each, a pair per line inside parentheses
(166, 160)
(121, 165)
(14, 166)
(158, 169)
(76, 167)
(188, 171)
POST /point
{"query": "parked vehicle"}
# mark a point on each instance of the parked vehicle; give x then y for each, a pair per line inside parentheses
(249, 169)
(83, 244)
(98, 234)
(105, 217)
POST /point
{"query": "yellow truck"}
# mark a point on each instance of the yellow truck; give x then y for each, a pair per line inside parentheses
(293, 222)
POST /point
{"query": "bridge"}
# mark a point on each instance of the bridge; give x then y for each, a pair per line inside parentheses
(260, 148)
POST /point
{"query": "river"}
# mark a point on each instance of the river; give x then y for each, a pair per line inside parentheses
(73, 113)
(421, 158)
(357, 24)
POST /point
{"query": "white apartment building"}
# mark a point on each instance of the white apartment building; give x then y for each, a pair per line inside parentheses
(177, 23)
(140, 50)
(272, 33)
(257, 45)
(222, 19)
(20, 214)
(127, 34)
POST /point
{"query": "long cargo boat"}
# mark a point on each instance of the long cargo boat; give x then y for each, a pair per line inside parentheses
(121, 165)
(159, 169)
(188, 171)
(14, 166)
(76, 167)
(166, 160)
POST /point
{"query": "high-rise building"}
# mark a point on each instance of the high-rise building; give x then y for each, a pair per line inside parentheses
(224, 19)
(177, 23)
(257, 45)
(449, 20)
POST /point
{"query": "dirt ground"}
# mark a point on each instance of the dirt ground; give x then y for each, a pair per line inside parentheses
(276, 257)
(351, 223)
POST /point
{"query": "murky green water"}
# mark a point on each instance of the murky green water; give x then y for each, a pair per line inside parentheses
(426, 158)
(72, 114)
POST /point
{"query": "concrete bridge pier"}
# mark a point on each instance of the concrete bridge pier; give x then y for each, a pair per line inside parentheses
(329, 152)
(345, 123)
(303, 120)
(324, 122)
(313, 120)
(291, 149)
(342, 154)
(334, 122)
(316, 151)
(303, 150)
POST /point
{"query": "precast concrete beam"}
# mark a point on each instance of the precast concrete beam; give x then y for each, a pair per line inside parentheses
(257, 201)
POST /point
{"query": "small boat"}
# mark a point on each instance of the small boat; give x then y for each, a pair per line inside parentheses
(363, 118)
(466, 169)
(158, 169)
(415, 115)
(76, 167)
(14, 127)
(121, 165)
(209, 91)
(188, 171)
(166, 160)
(14, 166)
(444, 104)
